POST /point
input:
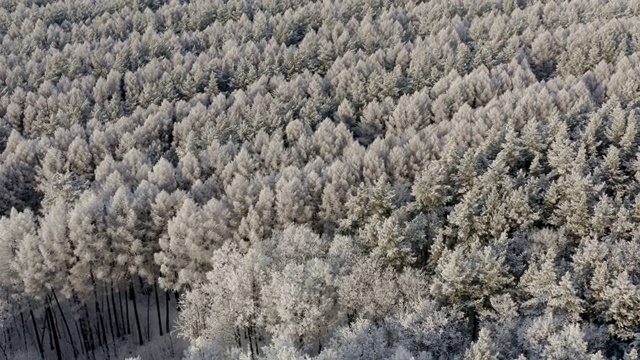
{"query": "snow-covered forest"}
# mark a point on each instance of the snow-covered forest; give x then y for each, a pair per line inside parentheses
(331, 179)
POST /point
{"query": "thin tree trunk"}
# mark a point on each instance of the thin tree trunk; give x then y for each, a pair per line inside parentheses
(82, 342)
(171, 344)
(255, 339)
(148, 316)
(24, 331)
(155, 291)
(113, 333)
(102, 330)
(166, 314)
(66, 325)
(7, 341)
(54, 332)
(82, 330)
(132, 292)
(35, 328)
(105, 326)
(49, 330)
(115, 313)
(44, 332)
(473, 323)
(126, 302)
(248, 331)
(96, 328)
(87, 329)
(255, 299)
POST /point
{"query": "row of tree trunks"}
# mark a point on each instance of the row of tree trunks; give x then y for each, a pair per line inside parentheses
(109, 320)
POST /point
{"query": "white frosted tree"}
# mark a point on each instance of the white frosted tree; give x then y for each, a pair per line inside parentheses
(225, 308)
(482, 349)
(56, 247)
(300, 303)
(292, 198)
(163, 176)
(90, 245)
(79, 158)
(120, 229)
(193, 234)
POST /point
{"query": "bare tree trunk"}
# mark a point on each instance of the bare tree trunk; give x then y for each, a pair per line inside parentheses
(155, 291)
(248, 331)
(100, 328)
(82, 330)
(44, 331)
(35, 328)
(166, 314)
(48, 327)
(254, 338)
(102, 333)
(66, 325)
(126, 302)
(132, 292)
(113, 333)
(82, 342)
(115, 313)
(54, 332)
(85, 325)
(473, 323)
(256, 304)
(7, 340)
(24, 331)
(148, 316)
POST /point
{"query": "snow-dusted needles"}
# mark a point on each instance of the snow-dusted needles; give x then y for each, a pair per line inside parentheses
(282, 180)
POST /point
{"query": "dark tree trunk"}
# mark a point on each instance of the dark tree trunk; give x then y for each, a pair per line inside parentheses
(473, 323)
(24, 331)
(236, 333)
(54, 332)
(115, 313)
(126, 302)
(155, 291)
(44, 331)
(35, 329)
(113, 333)
(148, 316)
(66, 325)
(7, 340)
(102, 329)
(82, 341)
(132, 293)
(253, 355)
(96, 328)
(48, 327)
(166, 313)
(85, 325)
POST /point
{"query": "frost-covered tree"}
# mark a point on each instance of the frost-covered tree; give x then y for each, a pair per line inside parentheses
(428, 179)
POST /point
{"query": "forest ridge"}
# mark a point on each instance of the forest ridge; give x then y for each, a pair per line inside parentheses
(326, 180)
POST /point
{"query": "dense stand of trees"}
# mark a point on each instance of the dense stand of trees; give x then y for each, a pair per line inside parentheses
(329, 179)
